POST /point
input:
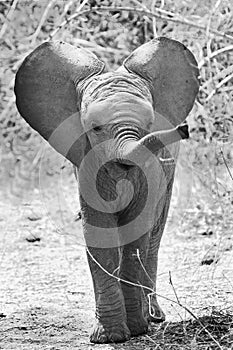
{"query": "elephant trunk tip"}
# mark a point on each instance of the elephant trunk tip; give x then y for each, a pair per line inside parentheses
(183, 130)
(152, 143)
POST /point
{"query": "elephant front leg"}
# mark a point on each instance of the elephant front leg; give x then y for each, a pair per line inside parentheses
(151, 309)
(110, 310)
(131, 270)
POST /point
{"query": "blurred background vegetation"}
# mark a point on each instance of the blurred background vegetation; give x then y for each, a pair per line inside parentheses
(112, 29)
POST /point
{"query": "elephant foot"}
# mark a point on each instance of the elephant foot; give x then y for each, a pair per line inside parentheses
(156, 314)
(110, 334)
(137, 324)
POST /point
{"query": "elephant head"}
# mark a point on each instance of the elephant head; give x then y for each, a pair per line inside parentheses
(62, 92)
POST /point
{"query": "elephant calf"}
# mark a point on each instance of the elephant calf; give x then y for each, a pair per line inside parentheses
(121, 130)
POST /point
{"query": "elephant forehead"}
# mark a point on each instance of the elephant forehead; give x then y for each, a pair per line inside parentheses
(104, 85)
(121, 107)
(116, 94)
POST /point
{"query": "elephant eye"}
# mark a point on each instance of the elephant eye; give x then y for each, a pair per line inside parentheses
(97, 128)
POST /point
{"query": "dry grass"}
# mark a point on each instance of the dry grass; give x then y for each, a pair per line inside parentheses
(192, 334)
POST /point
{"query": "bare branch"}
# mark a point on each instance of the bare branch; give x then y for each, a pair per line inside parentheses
(94, 46)
(214, 54)
(213, 11)
(225, 162)
(219, 76)
(154, 19)
(218, 86)
(8, 18)
(82, 5)
(171, 283)
(34, 36)
(162, 14)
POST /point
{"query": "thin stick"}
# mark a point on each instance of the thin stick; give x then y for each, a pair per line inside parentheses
(171, 283)
(143, 267)
(43, 19)
(220, 75)
(152, 340)
(66, 8)
(118, 278)
(214, 54)
(154, 19)
(225, 162)
(94, 46)
(214, 9)
(82, 5)
(222, 82)
(8, 18)
(169, 17)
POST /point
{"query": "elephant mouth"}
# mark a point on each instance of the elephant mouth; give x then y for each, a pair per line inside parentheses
(125, 164)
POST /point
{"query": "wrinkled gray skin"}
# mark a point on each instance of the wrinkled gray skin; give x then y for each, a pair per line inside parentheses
(120, 130)
(122, 309)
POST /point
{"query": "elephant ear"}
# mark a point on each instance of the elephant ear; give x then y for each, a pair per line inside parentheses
(172, 73)
(46, 96)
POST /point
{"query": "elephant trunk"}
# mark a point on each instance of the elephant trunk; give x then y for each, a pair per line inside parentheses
(131, 147)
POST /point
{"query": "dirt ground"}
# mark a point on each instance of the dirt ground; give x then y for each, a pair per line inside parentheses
(46, 297)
